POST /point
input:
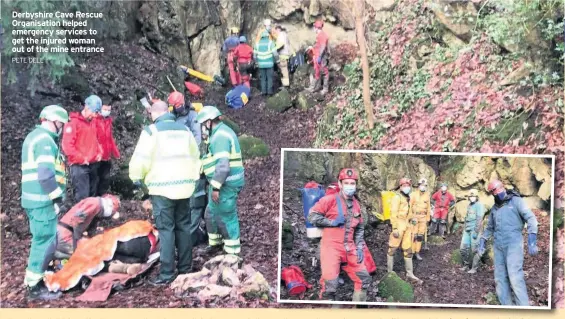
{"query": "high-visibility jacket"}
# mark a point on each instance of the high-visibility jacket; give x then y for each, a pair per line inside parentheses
(400, 212)
(283, 46)
(265, 53)
(223, 164)
(167, 159)
(43, 171)
(420, 204)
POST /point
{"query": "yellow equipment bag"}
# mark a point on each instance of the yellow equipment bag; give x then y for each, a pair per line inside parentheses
(386, 201)
(197, 106)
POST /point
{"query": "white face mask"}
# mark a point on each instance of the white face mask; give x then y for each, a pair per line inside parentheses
(422, 188)
(105, 113)
(472, 199)
(406, 189)
(443, 188)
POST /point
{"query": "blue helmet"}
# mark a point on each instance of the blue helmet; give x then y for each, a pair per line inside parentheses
(242, 39)
(94, 103)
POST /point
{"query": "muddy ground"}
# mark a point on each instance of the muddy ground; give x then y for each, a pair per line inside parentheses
(443, 282)
(258, 203)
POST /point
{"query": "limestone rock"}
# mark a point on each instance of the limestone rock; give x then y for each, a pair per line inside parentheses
(449, 13)
(394, 289)
(461, 210)
(255, 286)
(544, 191)
(304, 101)
(486, 200)
(451, 40)
(534, 202)
(252, 147)
(540, 169)
(213, 291)
(204, 49)
(523, 177)
(249, 270)
(230, 14)
(471, 173)
(279, 102)
(229, 277)
(382, 5)
(503, 172)
(279, 10)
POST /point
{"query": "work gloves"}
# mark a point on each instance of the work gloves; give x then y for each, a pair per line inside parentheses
(414, 222)
(59, 207)
(395, 233)
(475, 235)
(359, 255)
(482, 246)
(532, 244)
(338, 221)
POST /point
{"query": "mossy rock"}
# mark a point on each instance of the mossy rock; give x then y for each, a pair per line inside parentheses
(456, 257)
(304, 101)
(491, 299)
(252, 147)
(233, 125)
(436, 240)
(394, 289)
(280, 102)
(287, 236)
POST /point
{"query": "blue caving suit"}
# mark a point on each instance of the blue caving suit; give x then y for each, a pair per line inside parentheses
(473, 225)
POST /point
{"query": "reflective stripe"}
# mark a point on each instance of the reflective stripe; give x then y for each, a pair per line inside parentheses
(35, 197)
(234, 177)
(214, 236)
(32, 143)
(231, 250)
(236, 164)
(29, 177)
(222, 155)
(209, 170)
(56, 193)
(29, 165)
(45, 159)
(232, 242)
(214, 242)
(215, 184)
(169, 183)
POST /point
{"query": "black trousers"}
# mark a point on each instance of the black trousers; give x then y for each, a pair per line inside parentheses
(104, 168)
(133, 251)
(84, 179)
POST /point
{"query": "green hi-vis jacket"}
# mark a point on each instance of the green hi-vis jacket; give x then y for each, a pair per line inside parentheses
(223, 164)
(166, 159)
(43, 171)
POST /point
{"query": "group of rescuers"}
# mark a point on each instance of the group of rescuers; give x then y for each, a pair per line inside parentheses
(342, 242)
(188, 162)
(272, 46)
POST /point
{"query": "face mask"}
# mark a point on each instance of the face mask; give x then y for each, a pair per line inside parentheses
(180, 110)
(406, 190)
(472, 199)
(500, 197)
(349, 190)
(423, 188)
(105, 113)
(205, 130)
(443, 188)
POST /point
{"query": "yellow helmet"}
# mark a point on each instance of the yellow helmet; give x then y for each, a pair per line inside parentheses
(234, 30)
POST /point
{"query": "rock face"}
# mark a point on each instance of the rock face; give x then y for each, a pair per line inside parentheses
(457, 16)
(220, 277)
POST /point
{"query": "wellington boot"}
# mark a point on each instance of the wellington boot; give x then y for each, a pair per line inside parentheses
(312, 84)
(326, 85)
(475, 266)
(389, 262)
(360, 295)
(418, 256)
(410, 270)
(432, 228)
(465, 259)
(442, 230)
(40, 292)
(118, 267)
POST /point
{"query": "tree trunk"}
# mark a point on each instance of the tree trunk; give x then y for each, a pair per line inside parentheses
(359, 9)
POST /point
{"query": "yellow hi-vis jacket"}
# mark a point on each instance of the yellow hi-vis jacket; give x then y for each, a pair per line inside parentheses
(420, 204)
(400, 212)
(166, 159)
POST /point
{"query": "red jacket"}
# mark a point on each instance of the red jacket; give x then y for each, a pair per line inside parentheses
(448, 200)
(79, 218)
(321, 46)
(104, 133)
(80, 143)
(243, 53)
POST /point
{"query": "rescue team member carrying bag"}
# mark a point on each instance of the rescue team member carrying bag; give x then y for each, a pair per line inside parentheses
(238, 96)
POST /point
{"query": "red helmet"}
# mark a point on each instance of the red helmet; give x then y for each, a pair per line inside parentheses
(176, 99)
(115, 201)
(348, 173)
(319, 24)
(405, 181)
(495, 187)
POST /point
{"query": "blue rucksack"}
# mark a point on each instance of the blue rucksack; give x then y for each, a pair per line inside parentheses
(238, 96)
(311, 194)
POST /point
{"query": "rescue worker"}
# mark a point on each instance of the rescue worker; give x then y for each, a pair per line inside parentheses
(79, 218)
(104, 132)
(442, 201)
(223, 167)
(82, 149)
(167, 161)
(506, 222)
(284, 51)
(43, 189)
(265, 54)
(473, 226)
(402, 220)
(420, 204)
(227, 51)
(243, 54)
(339, 216)
(187, 116)
(321, 52)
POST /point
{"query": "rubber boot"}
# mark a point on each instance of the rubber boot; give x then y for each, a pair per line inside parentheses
(442, 230)
(40, 292)
(389, 262)
(464, 259)
(312, 84)
(326, 85)
(432, 228)
(418, 256)
(410, 270)
(360, 295)
(475, 266)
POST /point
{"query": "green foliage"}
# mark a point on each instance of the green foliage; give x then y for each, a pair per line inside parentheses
(394, 289)
(54, 65)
